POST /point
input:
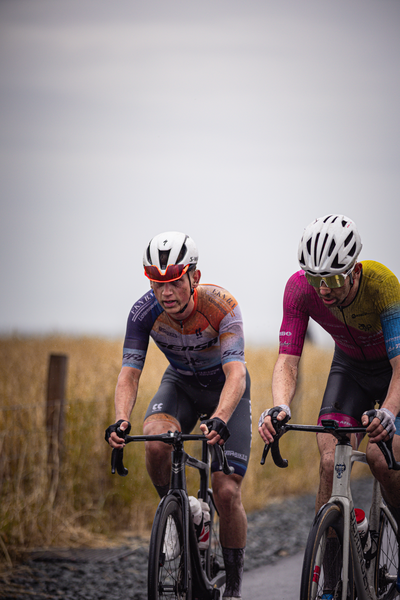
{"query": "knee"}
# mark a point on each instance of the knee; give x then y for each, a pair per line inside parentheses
(227, 493)
(157, 452)
(376, 462)
(156, 425)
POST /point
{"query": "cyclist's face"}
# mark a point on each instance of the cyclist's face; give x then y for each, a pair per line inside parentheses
(174, 295)
(341, 296)
(334, 296)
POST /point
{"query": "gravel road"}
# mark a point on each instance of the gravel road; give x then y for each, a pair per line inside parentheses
(279, 530)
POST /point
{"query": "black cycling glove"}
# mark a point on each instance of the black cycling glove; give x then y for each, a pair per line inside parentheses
(113, 428)
(219, 426)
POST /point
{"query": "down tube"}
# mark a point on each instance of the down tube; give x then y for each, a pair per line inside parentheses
(360, 573)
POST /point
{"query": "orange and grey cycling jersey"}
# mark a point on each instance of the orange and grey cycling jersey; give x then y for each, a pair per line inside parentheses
(198, 346)
(368, 329)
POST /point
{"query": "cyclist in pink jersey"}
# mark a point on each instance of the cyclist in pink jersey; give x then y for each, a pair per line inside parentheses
(358, 303)
(199, 329)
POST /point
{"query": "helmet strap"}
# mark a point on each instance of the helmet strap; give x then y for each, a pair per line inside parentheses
(351, 278)
(191, 294)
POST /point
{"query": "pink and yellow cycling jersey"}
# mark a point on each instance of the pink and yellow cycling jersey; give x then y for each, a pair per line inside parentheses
(210, 337)
(367, 329)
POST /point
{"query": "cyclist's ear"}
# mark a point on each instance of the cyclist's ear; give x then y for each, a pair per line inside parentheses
(196, 278)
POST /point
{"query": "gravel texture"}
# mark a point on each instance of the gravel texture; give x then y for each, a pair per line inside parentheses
(281, 529)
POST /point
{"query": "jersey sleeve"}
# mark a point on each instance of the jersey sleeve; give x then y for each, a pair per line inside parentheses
(232, 337)
(295, 315)
(388, 306)
(140, 321)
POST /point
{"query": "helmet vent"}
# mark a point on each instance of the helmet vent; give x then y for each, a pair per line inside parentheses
(353, 250)
(337, 265)
(163, 256)
(332, 247)
(181, 254)
(322, 249)
(348, 239)
(316, 248)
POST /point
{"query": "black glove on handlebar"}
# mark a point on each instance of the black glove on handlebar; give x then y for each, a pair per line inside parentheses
(219, 426)
(113, 428)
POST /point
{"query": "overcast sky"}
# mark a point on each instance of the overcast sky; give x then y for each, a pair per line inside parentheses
(235, 121)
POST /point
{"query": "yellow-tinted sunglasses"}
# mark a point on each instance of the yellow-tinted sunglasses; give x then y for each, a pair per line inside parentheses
(331, 281)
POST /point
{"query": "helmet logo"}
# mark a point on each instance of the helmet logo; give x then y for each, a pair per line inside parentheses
(165, 241)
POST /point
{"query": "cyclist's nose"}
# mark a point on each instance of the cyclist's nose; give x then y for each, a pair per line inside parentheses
(167, 289)
(324, 290)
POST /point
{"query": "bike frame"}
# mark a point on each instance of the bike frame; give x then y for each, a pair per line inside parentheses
(345, 457)
(179, 460)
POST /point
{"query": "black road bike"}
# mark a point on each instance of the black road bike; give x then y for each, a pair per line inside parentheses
(178, 569)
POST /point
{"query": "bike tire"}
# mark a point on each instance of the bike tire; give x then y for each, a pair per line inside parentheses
(387, 560)
(213, 557)
(313, 576)
(166, 554)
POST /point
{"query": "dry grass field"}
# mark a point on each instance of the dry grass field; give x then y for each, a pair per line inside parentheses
(84, 504)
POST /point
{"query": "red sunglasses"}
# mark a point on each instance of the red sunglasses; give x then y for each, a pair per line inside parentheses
(172, 273)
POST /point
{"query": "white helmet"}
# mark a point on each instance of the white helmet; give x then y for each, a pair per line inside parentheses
(330, 245)
(169, 255)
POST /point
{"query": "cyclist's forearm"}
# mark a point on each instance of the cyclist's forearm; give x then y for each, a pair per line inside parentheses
(392, 400)
(391, 403)
(233, 390)
(126, 392)
(284, 379)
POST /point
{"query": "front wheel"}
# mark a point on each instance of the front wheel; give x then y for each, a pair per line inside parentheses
(166, 578)
(323, 558)
(387, 560)
(214, 560)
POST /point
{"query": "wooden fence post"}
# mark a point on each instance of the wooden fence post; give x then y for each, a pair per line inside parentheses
(56, 383)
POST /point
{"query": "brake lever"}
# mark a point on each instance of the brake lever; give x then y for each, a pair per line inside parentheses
(117, 463)
(387, 450)
(223, 461)
(117, 457)
(280, 429)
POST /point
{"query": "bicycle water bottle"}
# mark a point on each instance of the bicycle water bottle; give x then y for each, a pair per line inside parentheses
(201, 517)
(195, 509)
(363, 529)
(204, 538)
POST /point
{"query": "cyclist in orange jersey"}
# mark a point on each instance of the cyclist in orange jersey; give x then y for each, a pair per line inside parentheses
(358, 303)
(199, 329)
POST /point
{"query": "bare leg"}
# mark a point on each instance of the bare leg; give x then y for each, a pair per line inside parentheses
(232, 516)
(389, 479)
(158, 454)
(326, 446)
(233, 528)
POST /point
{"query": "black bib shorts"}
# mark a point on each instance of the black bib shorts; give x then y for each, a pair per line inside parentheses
(185, 399)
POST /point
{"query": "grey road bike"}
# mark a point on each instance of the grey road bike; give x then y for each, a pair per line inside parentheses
(178, 569)
(363, 572)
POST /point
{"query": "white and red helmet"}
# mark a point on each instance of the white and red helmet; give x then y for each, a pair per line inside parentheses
(330, 245)
(169, 255)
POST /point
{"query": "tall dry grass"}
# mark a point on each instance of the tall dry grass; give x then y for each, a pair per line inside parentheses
(85, 502)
